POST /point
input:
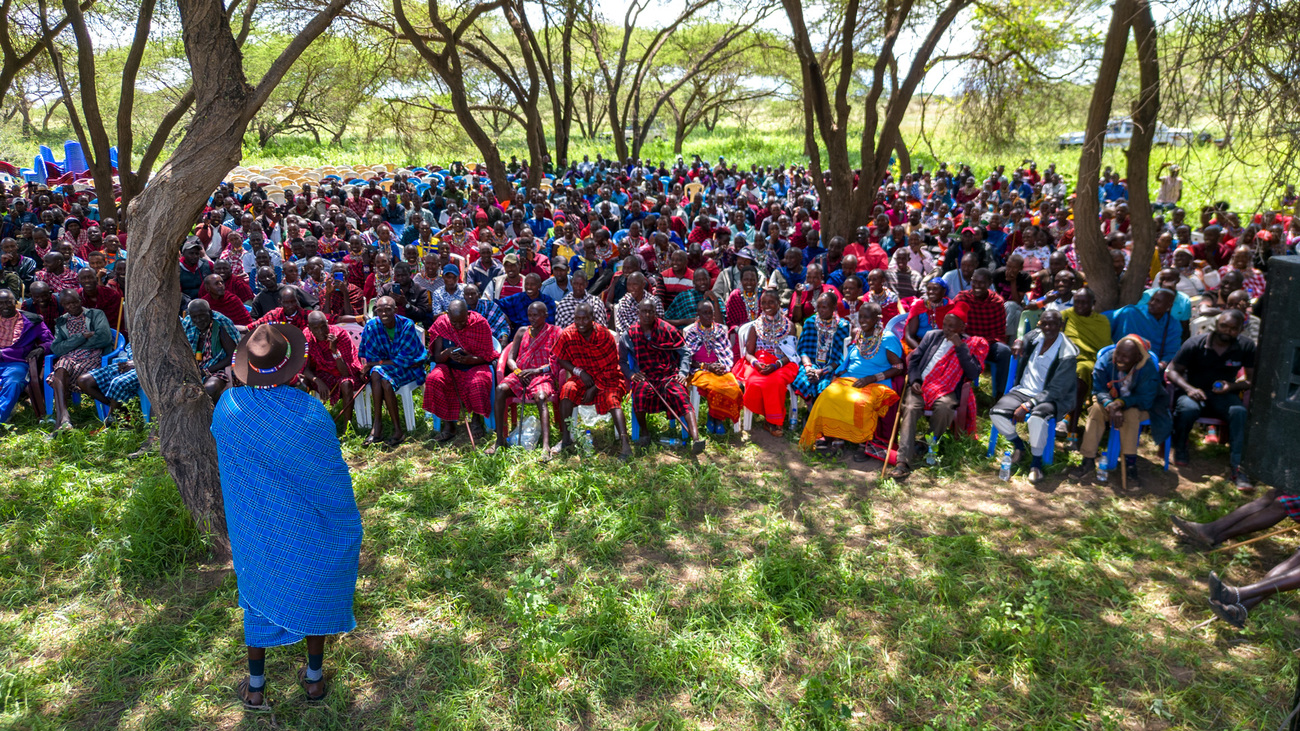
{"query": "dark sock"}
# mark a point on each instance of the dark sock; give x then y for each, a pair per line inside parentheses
(1018, 443)
(1131, 460)
(256, 675)
(314, 664)
(1037, 462)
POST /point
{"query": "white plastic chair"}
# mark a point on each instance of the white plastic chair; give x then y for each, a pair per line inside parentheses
(405, 395)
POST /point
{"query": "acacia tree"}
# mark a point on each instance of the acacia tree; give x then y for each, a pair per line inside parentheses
(161, 217)
(1093, 255)
(829, 113)
(24, 25)
(626, 70)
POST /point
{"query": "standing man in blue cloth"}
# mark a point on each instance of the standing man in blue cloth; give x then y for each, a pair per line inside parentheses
(295, 532)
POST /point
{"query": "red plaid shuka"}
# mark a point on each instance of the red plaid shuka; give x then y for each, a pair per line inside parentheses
(321, 360)
(297, 319)
(596, 355)
(451, 384)
(988, 317)
(535, 352)
(946, 376)
(657, 357)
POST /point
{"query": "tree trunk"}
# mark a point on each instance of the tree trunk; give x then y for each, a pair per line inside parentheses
(161, 217)
(1139, 155)
(904, 158)
(1091, 247)
(679, 137)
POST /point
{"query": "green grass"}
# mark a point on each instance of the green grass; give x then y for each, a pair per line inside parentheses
(754, 588)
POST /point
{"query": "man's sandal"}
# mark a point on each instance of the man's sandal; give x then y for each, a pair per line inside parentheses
(1223, 593)
(302, 681)
(697, 447)
(1233, 614)
(242, 692)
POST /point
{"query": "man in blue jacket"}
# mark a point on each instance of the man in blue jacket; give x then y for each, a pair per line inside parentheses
(1153, 323)
(1126, 391)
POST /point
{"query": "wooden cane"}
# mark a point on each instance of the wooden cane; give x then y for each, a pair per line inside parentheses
(1123, 473)
(897, 418)
(1291, 527)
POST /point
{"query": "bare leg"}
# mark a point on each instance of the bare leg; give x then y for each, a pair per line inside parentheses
(1256, 515)
(316, 646)
(644, 426)
(544, 416)
(620, 426)
(394, 411)
(566, 412)
(214, 386)
(347, 395)
(59, 384)
(377, 384)
(499, 411)
(1081, 395)
(36, 388)
(259, 697)
(1284, 577)
(87, 385)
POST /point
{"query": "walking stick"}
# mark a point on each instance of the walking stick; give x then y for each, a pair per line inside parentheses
(1293, 526)
(1123, 473)
(897, 417)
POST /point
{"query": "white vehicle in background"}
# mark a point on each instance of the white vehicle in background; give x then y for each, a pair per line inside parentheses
(1119, 132)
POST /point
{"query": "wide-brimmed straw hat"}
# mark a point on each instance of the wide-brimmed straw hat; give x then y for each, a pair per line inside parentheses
(270, 355)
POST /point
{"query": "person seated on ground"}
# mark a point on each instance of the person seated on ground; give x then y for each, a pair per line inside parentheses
(1089, 330)
(1126, 390)
(530, 373)
(113, 384)
(491, 311)
(1205, 376)
(1259, 514)
(516, 305)
(213, 339)
(221, 300)
(1153, 323)
(392, 357)
(625, 312)
(927, 313)
(333, 371)
(656, 384)
(987, 319)
(685, 306)
(463, 353)
(294, 528)
(588, 352)
(820, 349)
(82, 335)
(706, 364)
(768, 363)
(102, 297)
(860, 394)
(1046, 387)
(24, 341)
(945, 359)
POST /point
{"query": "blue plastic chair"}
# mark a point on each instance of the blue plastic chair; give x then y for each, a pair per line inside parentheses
(38, 170)
(74, 397)
(74, 158)
(102, 409)
(1113, 447)
(112, 156)
(47, 155)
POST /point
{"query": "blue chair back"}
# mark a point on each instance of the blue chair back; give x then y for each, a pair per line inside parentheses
(47, 155)
(74, 158)
(112, 160)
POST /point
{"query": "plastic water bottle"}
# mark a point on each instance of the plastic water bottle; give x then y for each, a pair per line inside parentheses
(1212, 434)
(1004, 473)
(932, 455)
(588, 444)
(671, 441)
(1102, 473)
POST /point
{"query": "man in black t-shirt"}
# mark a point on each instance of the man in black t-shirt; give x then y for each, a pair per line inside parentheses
(1204, 371)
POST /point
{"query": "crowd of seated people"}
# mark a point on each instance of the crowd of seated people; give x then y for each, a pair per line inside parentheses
(655, 287)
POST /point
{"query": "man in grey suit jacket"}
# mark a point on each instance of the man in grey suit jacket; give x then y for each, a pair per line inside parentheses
(1045, 388)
